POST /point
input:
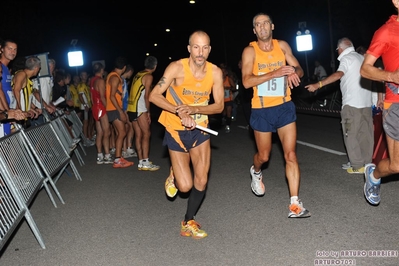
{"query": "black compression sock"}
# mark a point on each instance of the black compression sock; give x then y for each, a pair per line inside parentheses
(194, 201)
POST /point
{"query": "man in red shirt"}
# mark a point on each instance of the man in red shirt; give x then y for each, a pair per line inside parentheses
(385, 44)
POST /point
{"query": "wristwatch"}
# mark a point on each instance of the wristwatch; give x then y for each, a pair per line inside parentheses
(5, 113)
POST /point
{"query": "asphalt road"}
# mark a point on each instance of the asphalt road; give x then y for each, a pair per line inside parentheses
(123, 217)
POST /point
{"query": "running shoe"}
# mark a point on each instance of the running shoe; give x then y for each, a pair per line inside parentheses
(170, 187)
(192, 228)
(112, 151)
(227, 129)
(100, 160)
(352, 170)
(346, 165)
(122, 163)
(371, 189)
(298, 211)
(130, 153)
(257, 184)
(108, 160)
(148, 167)
(89, 143)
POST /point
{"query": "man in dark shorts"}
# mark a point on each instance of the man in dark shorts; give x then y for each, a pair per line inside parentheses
(116, 115)
(188, 84)
(269, 66)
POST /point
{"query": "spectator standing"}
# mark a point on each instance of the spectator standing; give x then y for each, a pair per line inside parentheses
(99, 112)
(73, 89)
(128, 150)
(356, 112)
(139, 112)
(116, 115)
(22, 86)
(85, 99)
(8, 53)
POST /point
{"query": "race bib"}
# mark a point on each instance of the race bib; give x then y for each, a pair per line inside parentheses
(272, 88)
(199, 118)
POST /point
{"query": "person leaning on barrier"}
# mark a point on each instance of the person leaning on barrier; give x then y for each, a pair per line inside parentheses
(12, 114)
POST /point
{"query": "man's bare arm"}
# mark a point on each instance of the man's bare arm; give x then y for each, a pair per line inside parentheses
(369, 71)
(156, 95)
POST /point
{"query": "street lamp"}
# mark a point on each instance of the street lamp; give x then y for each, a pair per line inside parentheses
(303, 44)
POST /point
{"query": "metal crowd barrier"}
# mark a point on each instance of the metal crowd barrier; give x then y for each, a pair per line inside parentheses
(77, 128)
(60, 126)
(53, 158)
(31, 159)
(20, 180)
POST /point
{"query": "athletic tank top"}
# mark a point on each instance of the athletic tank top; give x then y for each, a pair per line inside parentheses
(192, 92)
(83, 88)
(25, 93)
(95, 95)
(137, 91)
(118, 94)
(275, 91)
(75, 95)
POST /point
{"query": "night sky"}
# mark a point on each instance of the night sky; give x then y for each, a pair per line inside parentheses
(107, 31)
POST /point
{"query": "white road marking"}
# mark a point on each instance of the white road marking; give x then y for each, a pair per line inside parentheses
(320, 148)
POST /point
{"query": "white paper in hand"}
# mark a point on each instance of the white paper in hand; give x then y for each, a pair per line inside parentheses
(58, 101)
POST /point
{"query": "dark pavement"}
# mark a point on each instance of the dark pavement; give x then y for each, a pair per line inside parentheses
(123, 217)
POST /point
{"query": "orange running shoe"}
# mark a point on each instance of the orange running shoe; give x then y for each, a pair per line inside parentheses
(122, 163)
(192, 228)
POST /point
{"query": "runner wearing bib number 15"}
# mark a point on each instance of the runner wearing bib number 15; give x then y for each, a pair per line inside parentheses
(270, 68)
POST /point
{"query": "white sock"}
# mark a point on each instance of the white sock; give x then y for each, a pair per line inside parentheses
(294, 199)
(373, 179)
(100, 155)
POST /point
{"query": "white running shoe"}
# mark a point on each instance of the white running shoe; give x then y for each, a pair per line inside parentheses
(346, 166)
(148, 167)
(257, 184)
(298, 211)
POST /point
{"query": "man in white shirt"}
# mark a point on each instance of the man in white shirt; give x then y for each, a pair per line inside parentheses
(356, 113)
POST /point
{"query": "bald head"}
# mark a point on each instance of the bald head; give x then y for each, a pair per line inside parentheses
(198, 34)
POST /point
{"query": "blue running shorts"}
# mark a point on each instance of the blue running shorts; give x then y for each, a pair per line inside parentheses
(272, 118)
(184, 140)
